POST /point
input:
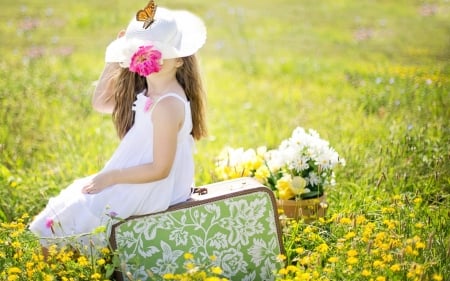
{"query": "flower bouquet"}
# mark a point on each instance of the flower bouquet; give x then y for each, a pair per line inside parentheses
(299, 169)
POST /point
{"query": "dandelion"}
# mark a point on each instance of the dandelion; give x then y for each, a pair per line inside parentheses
(216, 270)
(366, 273)
(395, 267)
(347, 221)
(437, 277)
(333, 259)
(188, 256)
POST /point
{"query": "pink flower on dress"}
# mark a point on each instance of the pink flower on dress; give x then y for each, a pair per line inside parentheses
(148, 103)
(145, 61)
(49, 223)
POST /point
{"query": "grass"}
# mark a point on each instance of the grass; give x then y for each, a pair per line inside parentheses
(372, 77)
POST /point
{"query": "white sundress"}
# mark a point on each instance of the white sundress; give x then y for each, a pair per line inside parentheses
(72, 213)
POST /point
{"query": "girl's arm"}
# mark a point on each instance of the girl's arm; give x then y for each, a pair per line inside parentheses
(103, 98)
(167, 119)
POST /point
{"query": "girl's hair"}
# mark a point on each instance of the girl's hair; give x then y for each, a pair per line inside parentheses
(129, 84)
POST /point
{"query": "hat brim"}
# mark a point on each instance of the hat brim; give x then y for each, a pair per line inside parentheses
(193, 37)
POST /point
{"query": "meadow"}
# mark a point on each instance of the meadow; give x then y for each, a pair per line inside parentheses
(371, 77)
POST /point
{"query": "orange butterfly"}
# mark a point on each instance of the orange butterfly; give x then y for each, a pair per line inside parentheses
(147, 14)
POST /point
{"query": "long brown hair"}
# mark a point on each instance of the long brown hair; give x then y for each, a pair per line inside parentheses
(129, 84)
(188, 75)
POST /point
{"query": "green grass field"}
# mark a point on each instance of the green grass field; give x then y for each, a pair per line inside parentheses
(372, 77)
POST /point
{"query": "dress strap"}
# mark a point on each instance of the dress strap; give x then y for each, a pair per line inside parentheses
(166, 96)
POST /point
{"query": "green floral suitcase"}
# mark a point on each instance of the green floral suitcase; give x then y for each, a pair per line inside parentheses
(232, 224)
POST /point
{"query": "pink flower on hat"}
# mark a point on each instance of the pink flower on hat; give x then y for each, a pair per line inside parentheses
(145, 61)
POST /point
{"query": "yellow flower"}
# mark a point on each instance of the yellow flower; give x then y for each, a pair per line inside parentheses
(380, 278)
(284, 187)
(298, 185)
(350, 235)
(437, 277)
(216, 270)
(322, 248)
(83, 261)
(96, 276)
(14, 270)
(352, 253)
(281, 257)
(395, 267)
(13, 277)
(105, 251)
(366, 273)
(333, 259)
(101, 262)
(345, 221)
(352, 260)
(188, 256)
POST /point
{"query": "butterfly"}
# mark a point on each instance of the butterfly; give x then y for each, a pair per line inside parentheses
(147, 15)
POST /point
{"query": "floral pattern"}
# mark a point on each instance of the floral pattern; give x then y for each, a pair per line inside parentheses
(240, 231)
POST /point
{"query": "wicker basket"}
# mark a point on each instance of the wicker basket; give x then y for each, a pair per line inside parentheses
(307, 209)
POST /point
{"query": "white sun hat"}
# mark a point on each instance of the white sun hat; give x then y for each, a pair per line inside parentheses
(175, 33)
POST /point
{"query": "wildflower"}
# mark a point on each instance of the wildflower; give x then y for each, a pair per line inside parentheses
(14, 270)
(281, 257)
(188, 256)
(333, 259)
(101, 262)
(366, 273)
(216, 270)
(437, 277)
(83, 261)
(350, 235)
(352, 260)
(96, 276)
(345, 221)
(380, 278)
(395, 267)
(322, 248)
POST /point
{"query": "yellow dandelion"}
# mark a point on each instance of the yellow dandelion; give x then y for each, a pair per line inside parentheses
(437, 277)
(417, 200)
(13, 277)
(366, 273)
(169, 276)
(420, 245)
(105, 251)
(96, 276)
(322, 248)
(101, 262)
(361, 219)
(305, 260)
(83, 261)
(350, 235)
(345, 221)
(216, 270)
(188, 256)
(281, 257)
(14, 270)
(352, 253)
(395, 267)
(379, 264)
(380, 278)
(333, 259)
(352, 260)
(419, 225)
(300, 250)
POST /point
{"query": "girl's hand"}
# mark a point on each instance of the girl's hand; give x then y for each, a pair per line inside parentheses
(98, 183)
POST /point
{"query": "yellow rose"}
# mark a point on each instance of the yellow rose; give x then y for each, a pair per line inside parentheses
(298, 185)
(284, 186)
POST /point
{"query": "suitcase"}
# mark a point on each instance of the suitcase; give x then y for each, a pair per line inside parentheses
(234, 221)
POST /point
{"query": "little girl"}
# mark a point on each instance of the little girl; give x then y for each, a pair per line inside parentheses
(152, 86)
